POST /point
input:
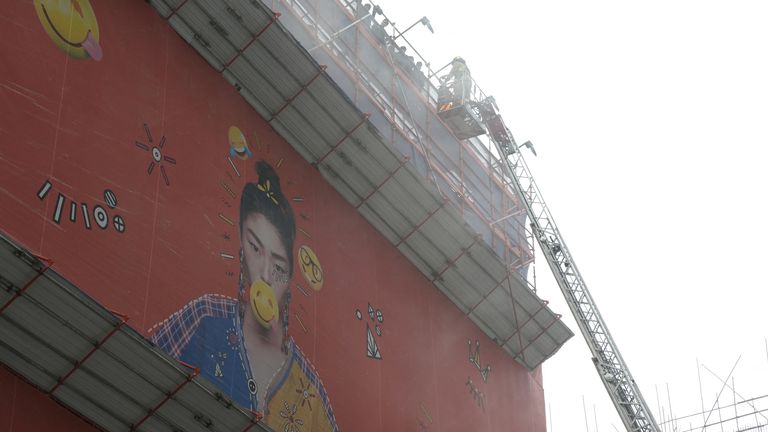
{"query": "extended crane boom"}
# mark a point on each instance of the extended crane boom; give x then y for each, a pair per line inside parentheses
(614, 373)
(464, 116)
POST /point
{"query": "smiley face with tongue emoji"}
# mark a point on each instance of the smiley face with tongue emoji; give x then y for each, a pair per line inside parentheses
(72, 26)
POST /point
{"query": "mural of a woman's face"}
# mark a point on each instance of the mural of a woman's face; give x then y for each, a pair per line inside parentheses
(265, 256)
(266, 259)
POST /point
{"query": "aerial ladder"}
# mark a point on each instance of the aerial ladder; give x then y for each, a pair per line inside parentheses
(613, 371)
(468, 117)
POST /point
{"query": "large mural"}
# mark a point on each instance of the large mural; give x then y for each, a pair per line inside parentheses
(156, 189)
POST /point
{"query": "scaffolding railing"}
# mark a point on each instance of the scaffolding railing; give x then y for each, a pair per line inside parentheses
(367, 62)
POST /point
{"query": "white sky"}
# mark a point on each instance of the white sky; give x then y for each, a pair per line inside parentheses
(649, 121)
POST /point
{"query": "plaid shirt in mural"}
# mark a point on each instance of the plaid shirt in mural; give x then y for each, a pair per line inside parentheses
(207, 333)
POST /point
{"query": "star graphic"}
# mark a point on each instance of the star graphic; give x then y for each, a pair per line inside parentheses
(305, 393)
(157, 154)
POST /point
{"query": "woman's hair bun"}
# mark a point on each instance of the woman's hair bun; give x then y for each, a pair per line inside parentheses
(265, 172)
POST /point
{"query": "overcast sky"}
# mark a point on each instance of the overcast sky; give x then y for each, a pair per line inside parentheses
(649, 121)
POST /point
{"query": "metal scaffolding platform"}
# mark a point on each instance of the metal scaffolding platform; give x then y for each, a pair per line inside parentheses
(85, 357)
(369, 123)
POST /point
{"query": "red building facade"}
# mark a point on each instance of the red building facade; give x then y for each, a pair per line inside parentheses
(157, 190)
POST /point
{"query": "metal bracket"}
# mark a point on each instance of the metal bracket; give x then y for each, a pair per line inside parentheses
(366, 116)
(253, 39)
(88, 355)
(452, 262)
(420, 224)
(176, 9)
(544, 303)
(380, 185)
(21, 291)
(257, 417)
(487, 295)
(167, 397)
(530, 342)
(301, 90)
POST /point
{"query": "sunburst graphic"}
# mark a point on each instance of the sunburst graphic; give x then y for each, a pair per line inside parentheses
(158, 158)
(305, 393)
(292, 423)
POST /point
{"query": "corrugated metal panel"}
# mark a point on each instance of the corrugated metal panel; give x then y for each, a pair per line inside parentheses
(263, 90)
(374, 218)
(329, 131)
(340, 163)
(294, 121)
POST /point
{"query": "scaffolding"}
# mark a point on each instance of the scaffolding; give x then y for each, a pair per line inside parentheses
(332, 80)
(366, 116)
(85, 357)
(739, 416)
(403, 94)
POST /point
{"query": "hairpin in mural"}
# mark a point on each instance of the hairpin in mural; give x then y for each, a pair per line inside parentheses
(474, 358)
(157, 158)
(238, 150)
(91, 214)
(227, 235)
(422, 426)
(477, 395)
(299, 314)
(424, 418)
(377, 318)
(72, 26)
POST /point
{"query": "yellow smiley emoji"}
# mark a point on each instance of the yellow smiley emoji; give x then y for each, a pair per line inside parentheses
(310, 268)
(263, 303)
(238, 147)
(72, 26)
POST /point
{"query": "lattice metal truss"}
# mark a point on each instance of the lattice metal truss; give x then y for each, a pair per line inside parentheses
(613, 371)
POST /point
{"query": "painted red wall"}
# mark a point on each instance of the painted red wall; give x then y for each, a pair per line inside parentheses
(75, 122)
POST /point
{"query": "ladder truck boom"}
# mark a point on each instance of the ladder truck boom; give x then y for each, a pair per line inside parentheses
(613, 371)
(466, 118)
